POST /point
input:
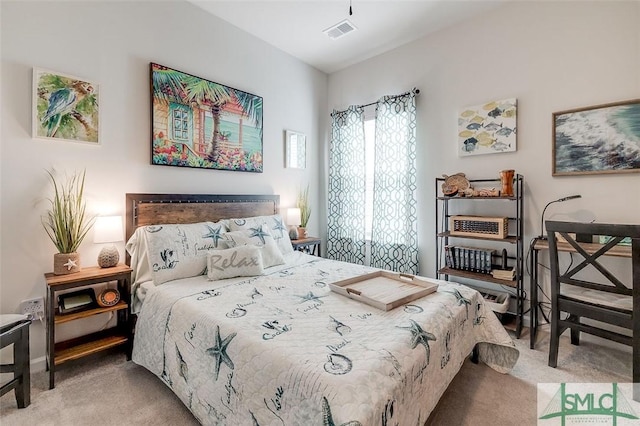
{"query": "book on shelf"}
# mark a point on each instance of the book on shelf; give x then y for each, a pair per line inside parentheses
(504, 274)
(472, 259)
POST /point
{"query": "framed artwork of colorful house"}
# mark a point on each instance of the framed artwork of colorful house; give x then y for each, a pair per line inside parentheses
(65, 107)
(202, 124)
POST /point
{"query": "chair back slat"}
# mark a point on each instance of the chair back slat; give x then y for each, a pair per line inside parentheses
(623, 290)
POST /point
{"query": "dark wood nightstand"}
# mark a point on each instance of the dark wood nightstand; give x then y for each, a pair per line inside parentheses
(121, 334)
(310, 245)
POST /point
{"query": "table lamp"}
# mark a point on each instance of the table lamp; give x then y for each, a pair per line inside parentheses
(108, 229)
(293, 220)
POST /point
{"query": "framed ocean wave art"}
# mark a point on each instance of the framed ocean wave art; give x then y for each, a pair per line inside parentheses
(597, 139)
(489, 128)
(202, 124)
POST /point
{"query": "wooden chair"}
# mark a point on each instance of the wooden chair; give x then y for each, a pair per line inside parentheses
(14, 329)
(606, 300)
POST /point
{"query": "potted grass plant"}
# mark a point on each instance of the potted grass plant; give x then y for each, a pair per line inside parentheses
(66, 221)
(305, 211)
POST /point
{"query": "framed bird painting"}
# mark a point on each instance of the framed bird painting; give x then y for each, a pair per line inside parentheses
(65, 107)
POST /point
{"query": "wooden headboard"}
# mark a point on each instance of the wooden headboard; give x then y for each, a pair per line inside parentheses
(154, 209)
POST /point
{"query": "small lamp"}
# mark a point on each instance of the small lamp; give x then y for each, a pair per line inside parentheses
(559, 200)
(293, 220)
(108, 229)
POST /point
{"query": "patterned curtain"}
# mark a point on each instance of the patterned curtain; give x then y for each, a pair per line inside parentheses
(394, 243)
(346, 233)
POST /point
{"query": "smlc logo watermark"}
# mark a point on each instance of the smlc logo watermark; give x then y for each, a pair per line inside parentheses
(587, 403)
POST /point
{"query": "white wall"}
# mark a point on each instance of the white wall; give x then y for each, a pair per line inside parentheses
(551, 56)
(112, 43)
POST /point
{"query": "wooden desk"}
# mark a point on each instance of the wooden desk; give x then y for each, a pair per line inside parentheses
(542, 244)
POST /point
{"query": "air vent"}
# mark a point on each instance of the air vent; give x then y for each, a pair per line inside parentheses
(340, 29)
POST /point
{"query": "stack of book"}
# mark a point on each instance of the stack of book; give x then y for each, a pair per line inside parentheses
(472, 259)
(504, 274)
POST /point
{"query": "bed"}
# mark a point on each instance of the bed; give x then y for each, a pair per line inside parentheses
(279, 347)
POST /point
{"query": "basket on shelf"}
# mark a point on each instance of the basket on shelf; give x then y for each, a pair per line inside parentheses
(480, 226)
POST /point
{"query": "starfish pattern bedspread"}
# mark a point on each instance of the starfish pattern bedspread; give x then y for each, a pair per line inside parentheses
(282, 349)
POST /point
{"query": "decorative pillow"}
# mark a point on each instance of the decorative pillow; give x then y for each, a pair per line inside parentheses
(276, 227)
(180, 251)
(138, 249)
(242, 261)
(257, 236)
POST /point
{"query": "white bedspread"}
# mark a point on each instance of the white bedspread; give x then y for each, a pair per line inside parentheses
(282, 349)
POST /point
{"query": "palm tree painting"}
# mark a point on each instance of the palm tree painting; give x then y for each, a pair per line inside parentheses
(202, 124)
(65, 107)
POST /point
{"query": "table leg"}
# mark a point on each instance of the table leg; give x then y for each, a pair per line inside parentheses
(533, 282)
(51, 362)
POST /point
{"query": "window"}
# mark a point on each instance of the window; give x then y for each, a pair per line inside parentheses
(180, 124)
(369, 140)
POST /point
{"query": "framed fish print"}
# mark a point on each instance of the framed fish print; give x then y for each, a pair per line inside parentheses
(597, 139)
(489, 128)
(202, 124)
(65, 107)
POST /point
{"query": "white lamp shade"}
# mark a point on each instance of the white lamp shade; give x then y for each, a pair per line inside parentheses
(108, 229)
(293, 217)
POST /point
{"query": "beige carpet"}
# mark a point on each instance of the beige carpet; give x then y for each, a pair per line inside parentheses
(107, 390)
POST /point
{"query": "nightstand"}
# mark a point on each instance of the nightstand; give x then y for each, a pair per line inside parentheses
(121, 334)
(309, 245)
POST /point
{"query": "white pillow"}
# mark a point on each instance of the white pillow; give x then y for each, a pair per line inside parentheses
(242, 261)
(257, 236)
(275, 224)
(180, 251)
(138, 249)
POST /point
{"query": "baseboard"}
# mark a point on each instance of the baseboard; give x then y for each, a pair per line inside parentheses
(39, 364)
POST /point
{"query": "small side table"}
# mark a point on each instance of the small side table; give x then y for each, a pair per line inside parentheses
(310, 245)
(121, 334)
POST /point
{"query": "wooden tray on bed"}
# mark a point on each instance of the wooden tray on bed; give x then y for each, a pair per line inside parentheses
(384, 290)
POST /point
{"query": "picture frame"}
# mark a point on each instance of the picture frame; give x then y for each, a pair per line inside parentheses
(202, 124)
(600, 139)
(295, 150)
(489, 128)
(65, 107)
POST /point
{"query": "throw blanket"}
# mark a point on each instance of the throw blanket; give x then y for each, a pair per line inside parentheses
(282, 349)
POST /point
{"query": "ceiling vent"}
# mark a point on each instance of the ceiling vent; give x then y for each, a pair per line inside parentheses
(340, 29)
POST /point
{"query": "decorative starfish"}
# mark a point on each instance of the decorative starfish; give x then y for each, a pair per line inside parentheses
(279, 226)
(215, 234)
(259, 232)
(70, 264)
(309, 297)
(461, 300)
(327, 418)
(419, 336)
(219, 351)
